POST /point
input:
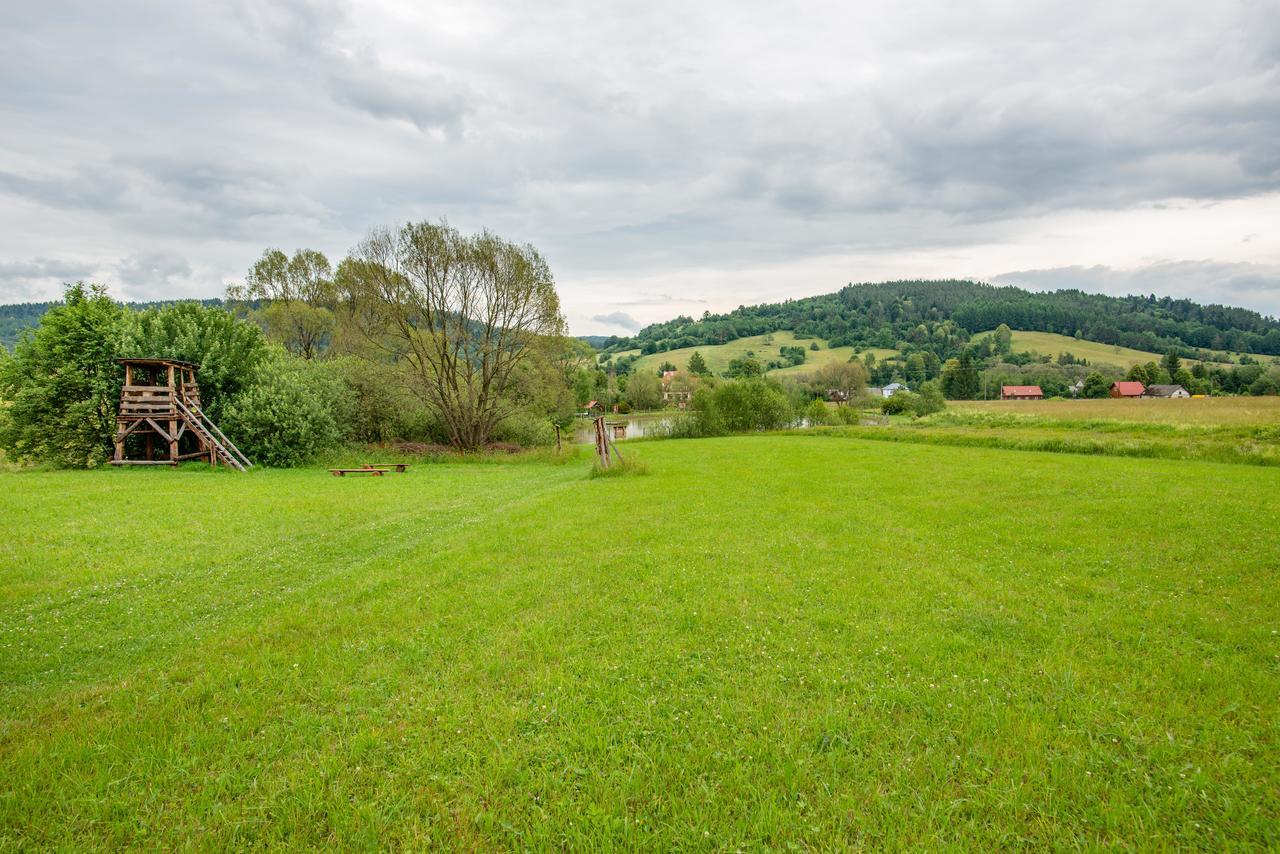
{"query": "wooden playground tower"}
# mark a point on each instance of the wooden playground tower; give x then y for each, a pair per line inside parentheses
(160, 398)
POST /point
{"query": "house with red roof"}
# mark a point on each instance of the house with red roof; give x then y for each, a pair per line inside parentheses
(1127, 388)
(1021, 392)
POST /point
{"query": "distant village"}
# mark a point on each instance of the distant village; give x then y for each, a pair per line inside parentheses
(1123, 389)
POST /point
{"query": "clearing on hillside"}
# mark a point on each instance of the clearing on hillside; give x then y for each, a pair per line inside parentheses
(764, 348)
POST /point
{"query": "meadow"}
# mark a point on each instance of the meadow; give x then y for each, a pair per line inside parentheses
(1051, 344)
(764, 348)
(766, 641)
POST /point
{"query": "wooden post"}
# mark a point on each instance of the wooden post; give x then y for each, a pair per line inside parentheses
(557, 438)
(151, 451)
(602, 442)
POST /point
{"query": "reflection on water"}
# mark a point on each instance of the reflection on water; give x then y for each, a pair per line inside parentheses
(637, 428)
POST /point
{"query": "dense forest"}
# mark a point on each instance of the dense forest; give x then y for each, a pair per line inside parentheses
(943, 314)
(26, 315)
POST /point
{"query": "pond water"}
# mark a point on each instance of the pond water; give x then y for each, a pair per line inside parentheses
(637, 427)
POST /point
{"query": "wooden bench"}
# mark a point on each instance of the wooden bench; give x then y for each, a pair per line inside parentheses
(345, 472)
(400, 467)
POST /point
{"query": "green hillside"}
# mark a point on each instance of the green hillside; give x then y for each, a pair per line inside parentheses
(762, 347)
(1051, 344)
(941, 316)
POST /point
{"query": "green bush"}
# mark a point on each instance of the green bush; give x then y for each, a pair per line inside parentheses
(817, 414)
(526, 429)
(740, 407)
(847, 415)
(899, 403)
(929, 400)
(286, 417)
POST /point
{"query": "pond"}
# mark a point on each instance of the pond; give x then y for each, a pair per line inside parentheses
(638, 426)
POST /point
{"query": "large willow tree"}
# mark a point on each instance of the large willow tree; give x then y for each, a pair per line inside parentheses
(462, 311)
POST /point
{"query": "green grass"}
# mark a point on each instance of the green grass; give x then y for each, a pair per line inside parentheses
(1051, 344)
(718, 356)
(766, 642)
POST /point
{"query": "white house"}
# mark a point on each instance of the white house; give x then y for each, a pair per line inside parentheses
(1167, 391)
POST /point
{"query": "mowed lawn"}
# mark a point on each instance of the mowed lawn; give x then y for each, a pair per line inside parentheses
(765, 642)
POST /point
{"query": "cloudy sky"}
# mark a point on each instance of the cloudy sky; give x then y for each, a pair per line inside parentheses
(666, 156)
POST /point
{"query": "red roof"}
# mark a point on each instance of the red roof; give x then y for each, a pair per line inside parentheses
(1021, 391)
(1129, 389)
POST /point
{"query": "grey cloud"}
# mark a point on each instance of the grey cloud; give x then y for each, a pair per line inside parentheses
(635, 146)
(38, 279)
(150, 273)
(618, 318)
(427, 103)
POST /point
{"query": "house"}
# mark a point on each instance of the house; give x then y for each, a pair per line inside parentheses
(1076, 388)
(1021, 392)
(594, 408)
(1127, 388)
(1167, 391)
(666, 375)
(893, 388)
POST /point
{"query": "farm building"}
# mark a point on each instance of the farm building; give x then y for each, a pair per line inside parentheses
(1128, 389)
(1167, 391)
(1021, 392)
(893, 388)
(1076, 388)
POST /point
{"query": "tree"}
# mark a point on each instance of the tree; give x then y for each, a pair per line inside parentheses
(62, 383)
(698, 365)
(1003, 338)
(814, 346)
(228, 352)
(849, 379)
(915, 369)
(644, 391)
(462, 311)
(300, 295)
(960, 378)
(1171, 363)
(1095, 386)
(744, 367)
(664, 367)
(929, 399)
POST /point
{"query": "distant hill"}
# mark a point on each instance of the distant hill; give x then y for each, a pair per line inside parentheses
(596, 341)
(26, 315)
(941, 316)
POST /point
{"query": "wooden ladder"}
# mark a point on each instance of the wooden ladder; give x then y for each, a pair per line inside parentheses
(209, 434)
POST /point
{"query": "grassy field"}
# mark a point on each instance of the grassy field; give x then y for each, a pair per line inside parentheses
(718, 356)
(1051, 344)
(1225, 429)
(768, 641)
(1191, 412)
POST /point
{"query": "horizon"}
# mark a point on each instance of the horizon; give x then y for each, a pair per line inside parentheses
(667, 161)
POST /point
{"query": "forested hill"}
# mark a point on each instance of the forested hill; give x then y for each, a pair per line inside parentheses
(920, 312)
(26, 315)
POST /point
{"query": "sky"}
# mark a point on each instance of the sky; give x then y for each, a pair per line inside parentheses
(666, 157)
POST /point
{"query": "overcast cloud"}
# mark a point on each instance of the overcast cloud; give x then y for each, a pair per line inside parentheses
(667, 157)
